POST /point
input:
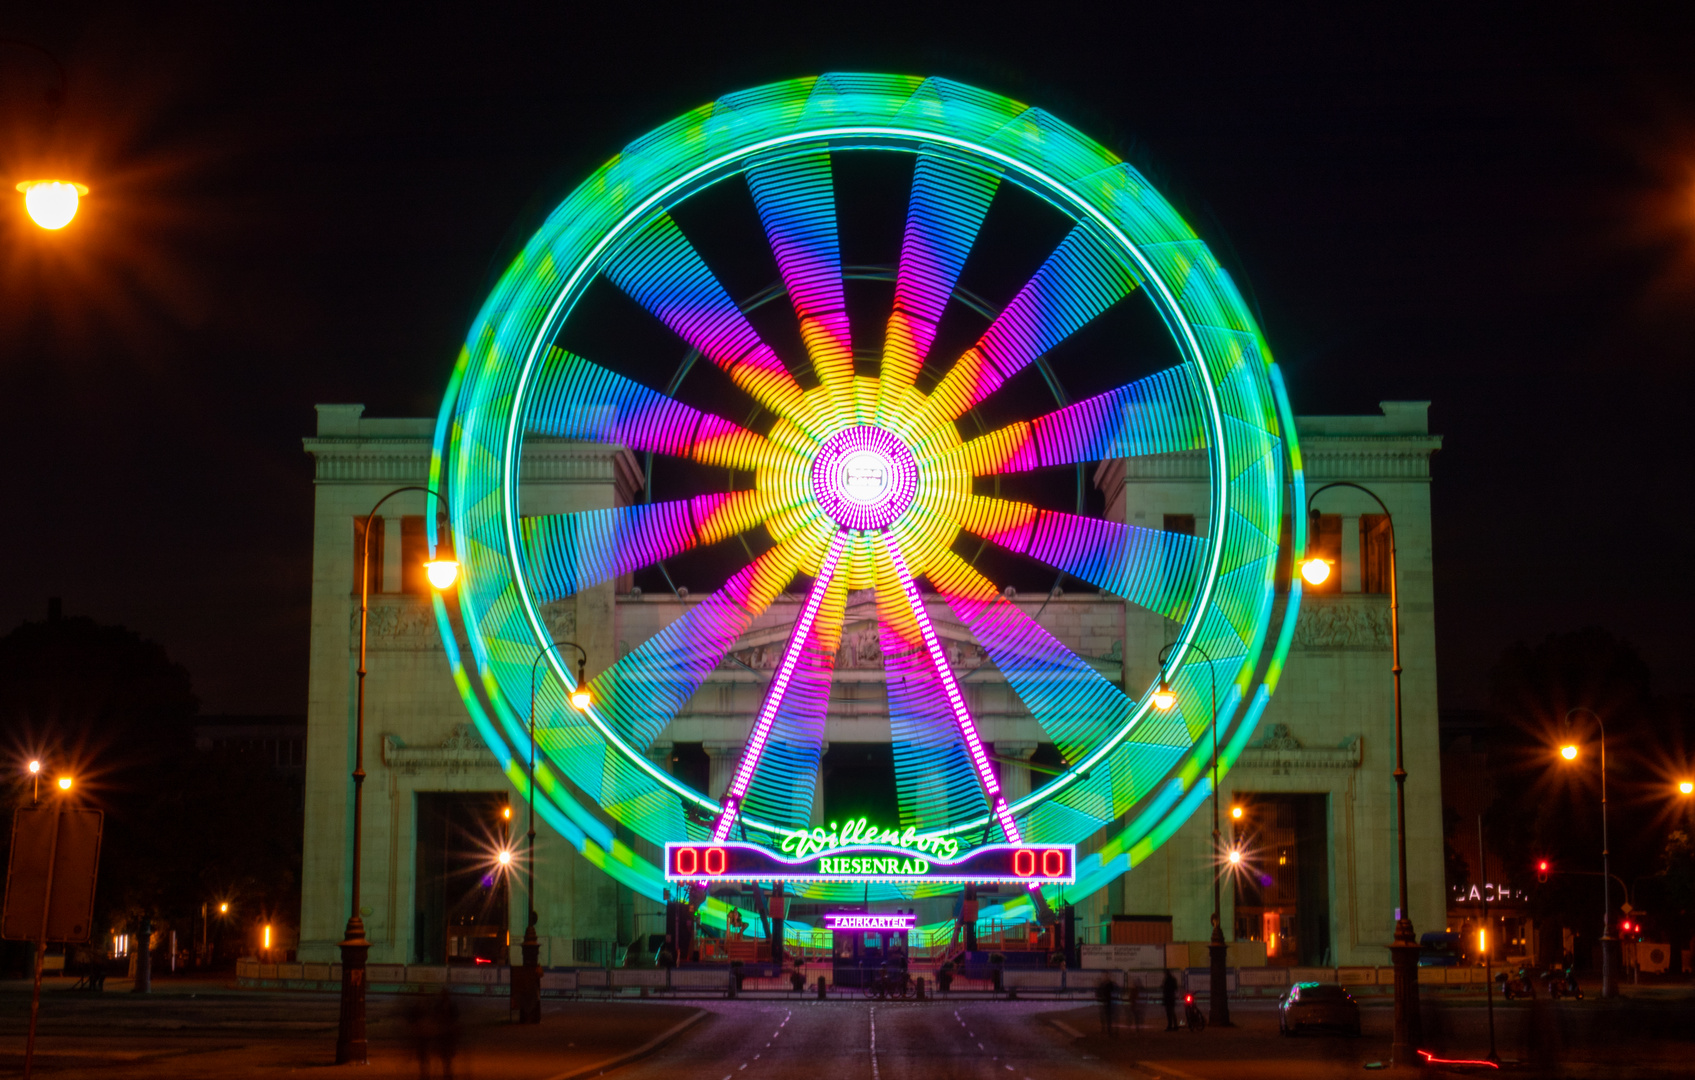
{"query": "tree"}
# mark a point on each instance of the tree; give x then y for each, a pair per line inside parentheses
(183, 827)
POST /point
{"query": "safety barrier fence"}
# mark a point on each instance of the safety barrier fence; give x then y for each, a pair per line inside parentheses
(976, 978)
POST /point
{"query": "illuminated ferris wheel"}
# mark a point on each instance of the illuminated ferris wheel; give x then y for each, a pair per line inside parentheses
(860, 474)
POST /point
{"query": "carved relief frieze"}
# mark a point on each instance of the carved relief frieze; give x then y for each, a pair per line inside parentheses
(1343, 623)
(461, 751)
(1281, 754)
(395, 622)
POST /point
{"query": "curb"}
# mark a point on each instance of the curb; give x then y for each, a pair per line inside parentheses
(639, 1052)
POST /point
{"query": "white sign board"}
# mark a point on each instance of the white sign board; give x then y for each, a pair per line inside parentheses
(1122, 957)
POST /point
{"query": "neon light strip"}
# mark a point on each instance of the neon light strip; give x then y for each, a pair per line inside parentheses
(956, 701)
(834, 921)
(779, 686)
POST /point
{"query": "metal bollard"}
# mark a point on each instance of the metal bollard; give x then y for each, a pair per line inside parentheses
(820, 988)
(919, 995)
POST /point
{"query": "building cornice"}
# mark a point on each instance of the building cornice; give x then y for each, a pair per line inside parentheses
(344, 459)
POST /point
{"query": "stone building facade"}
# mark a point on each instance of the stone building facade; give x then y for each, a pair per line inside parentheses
(1315, 785)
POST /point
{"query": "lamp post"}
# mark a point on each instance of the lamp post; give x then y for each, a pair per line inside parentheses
(526, 992)
(1404, 951)
(350, 1045)
(1609, 940)
(1164, 699)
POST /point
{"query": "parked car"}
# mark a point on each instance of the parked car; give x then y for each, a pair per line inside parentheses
(1316, 1006)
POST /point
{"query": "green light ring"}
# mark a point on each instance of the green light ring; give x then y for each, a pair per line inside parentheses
(502, 302)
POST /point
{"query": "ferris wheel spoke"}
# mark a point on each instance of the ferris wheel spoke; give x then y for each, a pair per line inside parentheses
(663, 273)
(783, 682)
(1160, 414)
(952, 695)
(1079, 281)
(935, 783)
(943, 215)
(796, 200)
(566, 553)
(1151, 568)
(1074, 703)
(785, 778)
(644, 690)
(576, 398)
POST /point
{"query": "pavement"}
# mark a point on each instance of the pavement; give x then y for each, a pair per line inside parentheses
(195, 1029)
(206, 1029)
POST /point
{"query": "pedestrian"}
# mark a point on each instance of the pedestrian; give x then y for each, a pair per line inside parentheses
(1104, 992)
(420, 1029)
(1168, 998)
(446, 1031)
(1135, 992)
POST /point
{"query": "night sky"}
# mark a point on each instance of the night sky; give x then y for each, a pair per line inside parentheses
(1490, 207)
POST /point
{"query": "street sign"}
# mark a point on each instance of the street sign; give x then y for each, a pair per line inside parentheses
(1626, 908)
(55, 857)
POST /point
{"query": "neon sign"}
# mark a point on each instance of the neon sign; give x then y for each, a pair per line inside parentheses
(858, 921)
(1041, 864)
(861, 833)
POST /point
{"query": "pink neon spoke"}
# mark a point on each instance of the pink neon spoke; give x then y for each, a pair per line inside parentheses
(779, 686)
(956, 700)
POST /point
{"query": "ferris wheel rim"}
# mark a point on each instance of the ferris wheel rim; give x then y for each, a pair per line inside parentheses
(723, 167)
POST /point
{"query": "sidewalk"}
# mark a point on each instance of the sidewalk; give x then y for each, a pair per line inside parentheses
(200, 1029)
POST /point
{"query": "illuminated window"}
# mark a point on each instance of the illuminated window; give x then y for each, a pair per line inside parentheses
(1374, 553)
(376, 581)
(414, 552)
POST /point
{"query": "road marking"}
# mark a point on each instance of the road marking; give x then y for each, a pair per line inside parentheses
(1009, 1068)
(874, 1074)
(983, 1048)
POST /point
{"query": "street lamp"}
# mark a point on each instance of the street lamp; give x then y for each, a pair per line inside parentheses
(50, 202)
(35, 781)
(526, 992)
(350, 1043)
(1404, 952)
(1609, 941)
(1686, 787)
(1164, 699)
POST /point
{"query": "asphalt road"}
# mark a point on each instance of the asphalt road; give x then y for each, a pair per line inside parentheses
(222, 1033)
(1058, 1040)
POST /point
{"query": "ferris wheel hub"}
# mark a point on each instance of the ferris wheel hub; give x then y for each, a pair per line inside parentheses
(864, 477)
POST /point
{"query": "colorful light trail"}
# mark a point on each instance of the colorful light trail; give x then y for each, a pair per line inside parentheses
(864, 482)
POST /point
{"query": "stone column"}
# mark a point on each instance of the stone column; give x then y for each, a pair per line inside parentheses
(725, 757)
(1350, 553)
(818, 788)
(1015, 779)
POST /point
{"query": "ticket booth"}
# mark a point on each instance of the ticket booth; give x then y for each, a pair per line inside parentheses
(862, 944)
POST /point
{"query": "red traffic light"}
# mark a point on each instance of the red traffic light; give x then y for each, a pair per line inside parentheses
(1542, 871)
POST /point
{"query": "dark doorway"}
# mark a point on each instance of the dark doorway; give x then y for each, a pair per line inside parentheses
(859, 782)
(463, 891)
(1283, 892)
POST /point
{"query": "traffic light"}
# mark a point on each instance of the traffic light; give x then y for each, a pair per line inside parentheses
(1542, 871)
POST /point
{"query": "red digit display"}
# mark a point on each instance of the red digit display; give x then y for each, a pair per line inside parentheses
(1024, 862)
(688, 860)
(716, 860)
(1053, 862)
